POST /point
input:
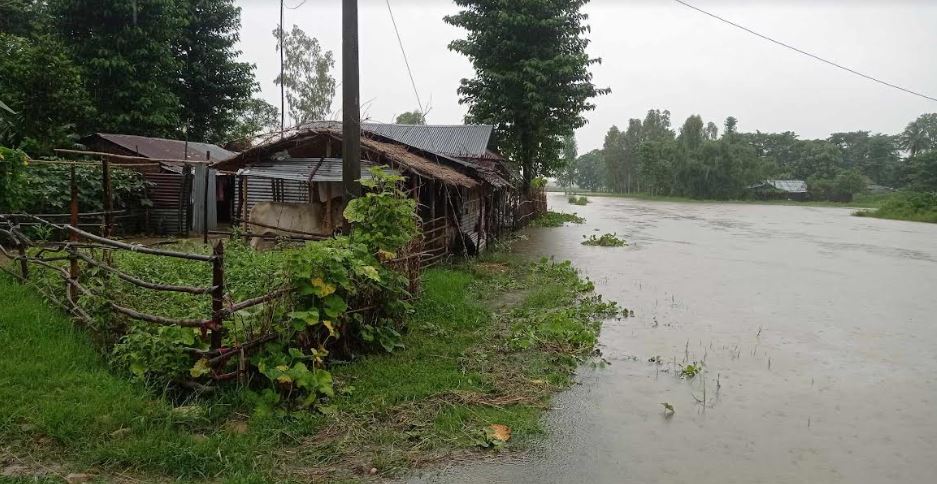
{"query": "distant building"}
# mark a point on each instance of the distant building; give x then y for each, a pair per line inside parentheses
(779, 190)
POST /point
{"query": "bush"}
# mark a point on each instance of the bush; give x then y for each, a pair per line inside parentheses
(914, 206)
(578, 200)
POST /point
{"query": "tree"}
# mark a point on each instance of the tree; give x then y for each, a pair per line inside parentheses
(923, 170)
(567, 176)
(920, 135)
(590, 171)
(692, 133)
(731, 127)
(257, 118)
(45, 94)
(613, 156)
(309, 84)
(23, 18)
(656, 126)
(125, 52)
(411, 117)
(214, 87)
(532, 78)
(711, 131)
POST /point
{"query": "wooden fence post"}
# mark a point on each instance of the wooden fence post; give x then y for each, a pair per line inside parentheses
(108, 204)
(217, 295)
(24, 264)
(73, 237)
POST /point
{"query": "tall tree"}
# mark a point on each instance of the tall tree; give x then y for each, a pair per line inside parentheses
(307, 76)
(711, 131)
(656, 126)
(258, 118)
(214, 87)
(45, 94)
(566, 177)
(590, 171)
(125, 51)
(920, 135)
(613, 156)
(692, 132)
(411, 117)
(532, 78)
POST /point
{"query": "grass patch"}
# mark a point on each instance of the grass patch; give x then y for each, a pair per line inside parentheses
(556, 219)
(490, 342)
(580, 200)
(912, 206)
(606, 240)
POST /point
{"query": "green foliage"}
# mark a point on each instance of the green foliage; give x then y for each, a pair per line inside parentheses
(384, 218)
(605, 240)
(920, 135)
(258, 117)
(580, 200)
(13, 164)
(411, 117)
(591, 171)
(45, 89)
(126, 53)
(46, 189)
(309, 85)
(215, 89)
(691, 370)
(532, 78)
(556, 219)
(922, 172)
(914, 206)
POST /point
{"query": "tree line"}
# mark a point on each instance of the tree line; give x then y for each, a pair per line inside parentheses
(698, 161)
(163, 68)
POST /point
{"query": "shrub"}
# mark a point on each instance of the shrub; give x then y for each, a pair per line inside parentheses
(578, 200)
(914, 206)
(556, 219)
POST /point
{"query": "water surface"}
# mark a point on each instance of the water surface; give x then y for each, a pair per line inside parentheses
(817, 332)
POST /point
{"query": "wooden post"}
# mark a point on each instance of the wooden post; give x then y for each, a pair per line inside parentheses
(108, 205)
(73, 237)
(217, 295)
(205, 208)
(24, 265)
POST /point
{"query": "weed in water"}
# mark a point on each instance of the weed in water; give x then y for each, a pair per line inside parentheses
(578, 200)
(606, 240)
(556, 219)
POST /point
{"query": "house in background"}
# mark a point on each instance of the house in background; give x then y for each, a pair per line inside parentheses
(779, 190)
(155, 148)
(464, 190)
(182, 199)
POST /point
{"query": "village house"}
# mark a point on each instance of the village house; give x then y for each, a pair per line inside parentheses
(779, 190)
(465, 191)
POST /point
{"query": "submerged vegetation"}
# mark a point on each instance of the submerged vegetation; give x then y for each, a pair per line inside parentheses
(606, 240)
(578, 200)
(556, 219)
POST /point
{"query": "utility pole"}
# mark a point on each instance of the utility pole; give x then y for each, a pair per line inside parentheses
(282, 80)
(351, 110)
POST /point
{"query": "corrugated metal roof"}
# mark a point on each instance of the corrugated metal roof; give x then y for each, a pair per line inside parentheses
(790, 186)
(300, 169)
(169, 149)
(459, 140)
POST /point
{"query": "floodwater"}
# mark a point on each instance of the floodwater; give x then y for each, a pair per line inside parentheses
(818, 333)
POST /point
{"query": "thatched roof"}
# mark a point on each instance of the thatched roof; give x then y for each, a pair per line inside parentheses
(421, 163)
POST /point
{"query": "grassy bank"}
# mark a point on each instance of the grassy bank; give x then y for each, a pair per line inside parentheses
(489, 343)
(911, 206)
(860, 201)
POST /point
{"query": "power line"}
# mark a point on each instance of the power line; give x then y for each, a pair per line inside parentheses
(405, 60)
(795, 49)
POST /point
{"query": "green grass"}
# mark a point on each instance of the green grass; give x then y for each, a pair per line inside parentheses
(911, 206)
(490, 342)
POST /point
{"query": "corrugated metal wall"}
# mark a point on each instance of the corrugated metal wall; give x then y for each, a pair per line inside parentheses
(269, 190)
(168, 214)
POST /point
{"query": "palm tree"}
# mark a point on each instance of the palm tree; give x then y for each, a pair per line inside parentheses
(914, 137)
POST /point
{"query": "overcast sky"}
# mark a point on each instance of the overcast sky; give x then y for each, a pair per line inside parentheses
(655, 54)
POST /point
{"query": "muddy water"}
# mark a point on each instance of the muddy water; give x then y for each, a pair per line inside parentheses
(818, 333)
